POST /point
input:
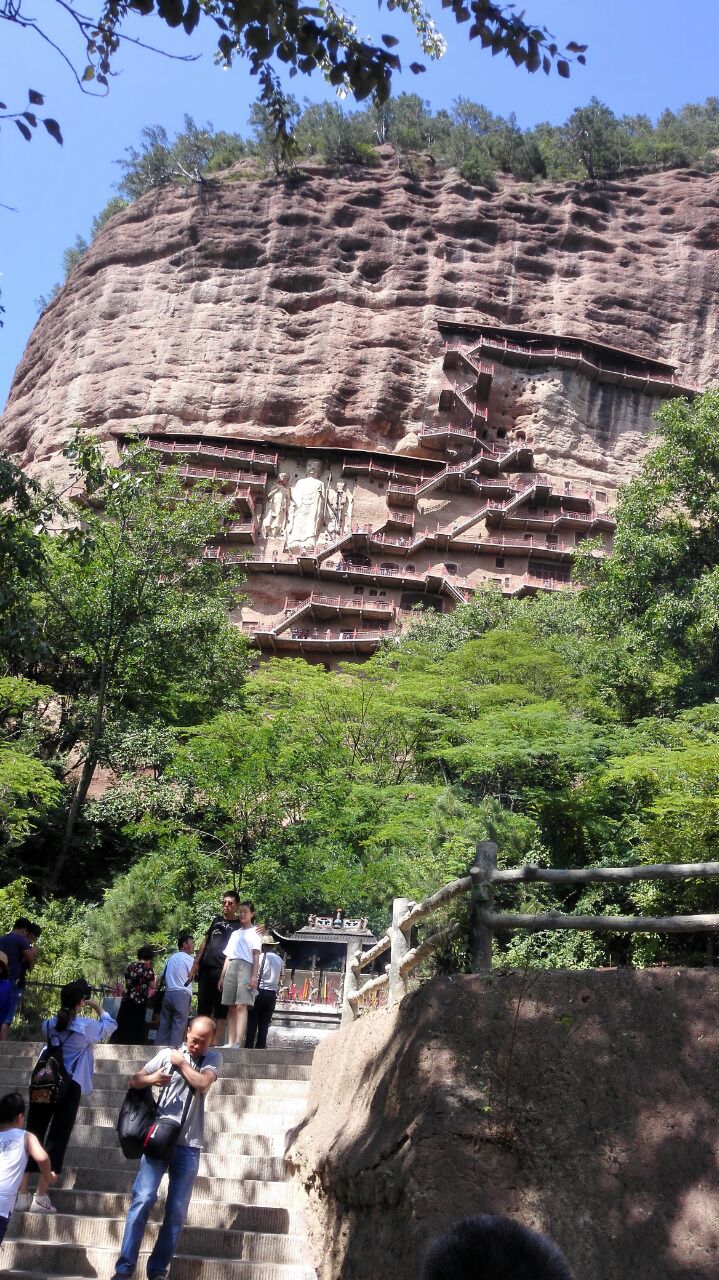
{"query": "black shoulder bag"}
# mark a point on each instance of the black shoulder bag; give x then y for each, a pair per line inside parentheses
(142, 1131)
(136, 1115)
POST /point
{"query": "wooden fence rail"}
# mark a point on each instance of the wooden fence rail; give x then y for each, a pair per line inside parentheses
(484, 921)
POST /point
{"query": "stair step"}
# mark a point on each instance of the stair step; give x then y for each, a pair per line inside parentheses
(134, 1056)
(221, 1136)
(202, 1213)
(274, 1121)
(242, 1100)
(213, 1164)
(243, 1090)
(223, 1189)
(69, 1260)
(233, 1067)
(240, 1103)
(203, 1242)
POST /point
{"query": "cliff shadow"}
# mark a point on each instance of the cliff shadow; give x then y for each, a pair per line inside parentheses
(580, 1103)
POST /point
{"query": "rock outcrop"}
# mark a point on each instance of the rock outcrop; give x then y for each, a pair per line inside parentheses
(307, 313)
(580, 1103)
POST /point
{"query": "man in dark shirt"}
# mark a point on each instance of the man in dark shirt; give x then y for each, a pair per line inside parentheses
(209, 960)
(21, 956)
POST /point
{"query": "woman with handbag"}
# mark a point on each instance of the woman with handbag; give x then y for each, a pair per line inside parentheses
(139, 987)
(52, 1122)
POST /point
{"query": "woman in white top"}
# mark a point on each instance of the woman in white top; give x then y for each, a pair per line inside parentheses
(238, 980)
(53, 1125)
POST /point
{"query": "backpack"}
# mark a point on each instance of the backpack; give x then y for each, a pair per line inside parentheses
(134, 1121)
(50, 1078)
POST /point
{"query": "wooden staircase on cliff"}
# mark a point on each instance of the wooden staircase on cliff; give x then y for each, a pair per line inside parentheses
(245, 1220)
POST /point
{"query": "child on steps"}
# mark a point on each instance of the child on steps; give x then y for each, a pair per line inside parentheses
(16, 1145)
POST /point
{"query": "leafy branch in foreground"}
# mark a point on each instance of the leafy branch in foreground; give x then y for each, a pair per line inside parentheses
(305, 38)
(27, 119)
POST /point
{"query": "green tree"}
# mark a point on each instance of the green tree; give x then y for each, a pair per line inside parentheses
(338, 136)
(29, 792)
(74, 254)
(264, 129)
(23, 509)
(407, 121)
(190, 157)
(249, 780)
(659, 590)
(115, 204)
(595, 139)
(133, 612)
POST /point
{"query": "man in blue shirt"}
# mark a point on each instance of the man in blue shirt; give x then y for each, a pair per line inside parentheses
(18, 946)
(175, 1009)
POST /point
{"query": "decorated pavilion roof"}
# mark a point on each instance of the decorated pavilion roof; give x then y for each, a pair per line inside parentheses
(322, 929)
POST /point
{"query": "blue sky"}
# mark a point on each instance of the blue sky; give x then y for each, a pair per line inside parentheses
(641, 58)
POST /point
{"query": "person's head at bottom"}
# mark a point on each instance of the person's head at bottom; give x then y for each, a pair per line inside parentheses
(493, 1248)
(199, 1035)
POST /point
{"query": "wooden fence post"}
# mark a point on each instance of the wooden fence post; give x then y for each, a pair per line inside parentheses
(399, 946)
(482, 900)
(351, 984)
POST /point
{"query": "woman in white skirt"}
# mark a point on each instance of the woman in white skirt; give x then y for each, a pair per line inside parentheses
(238, 980)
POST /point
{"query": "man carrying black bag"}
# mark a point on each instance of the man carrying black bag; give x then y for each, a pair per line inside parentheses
(184, 1075)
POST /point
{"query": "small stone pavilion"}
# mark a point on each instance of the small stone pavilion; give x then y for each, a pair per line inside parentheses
(316, 958)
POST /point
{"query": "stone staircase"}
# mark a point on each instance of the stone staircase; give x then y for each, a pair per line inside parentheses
(245, 1220)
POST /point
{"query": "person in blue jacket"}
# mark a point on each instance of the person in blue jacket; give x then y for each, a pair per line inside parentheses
(53, 1125)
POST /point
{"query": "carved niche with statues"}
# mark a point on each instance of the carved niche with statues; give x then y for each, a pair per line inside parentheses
(313, 509)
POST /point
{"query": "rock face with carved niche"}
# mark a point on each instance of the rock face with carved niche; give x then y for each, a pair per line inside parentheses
(410, 388)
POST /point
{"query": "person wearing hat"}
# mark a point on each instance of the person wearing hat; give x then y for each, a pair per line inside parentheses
(269, 977)
(53, 1125)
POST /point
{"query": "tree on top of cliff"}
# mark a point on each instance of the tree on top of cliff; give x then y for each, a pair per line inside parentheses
(194, 152)
(304, 37)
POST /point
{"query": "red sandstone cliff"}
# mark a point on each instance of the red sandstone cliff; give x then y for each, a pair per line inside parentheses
(308, 313)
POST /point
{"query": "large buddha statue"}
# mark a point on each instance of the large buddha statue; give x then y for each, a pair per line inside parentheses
(307, 508)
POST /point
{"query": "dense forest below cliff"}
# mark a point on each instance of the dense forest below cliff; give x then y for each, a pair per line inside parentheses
(578, 728)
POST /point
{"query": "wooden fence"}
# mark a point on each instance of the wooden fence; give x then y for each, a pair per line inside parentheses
(484, 921)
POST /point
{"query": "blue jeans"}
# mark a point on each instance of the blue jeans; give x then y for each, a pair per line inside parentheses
(173, 1018)
(182, 1169)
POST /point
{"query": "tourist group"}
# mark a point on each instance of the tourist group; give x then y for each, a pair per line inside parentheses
(238, 976)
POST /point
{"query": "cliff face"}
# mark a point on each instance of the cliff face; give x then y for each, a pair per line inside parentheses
(580, 1103)
(307, 314)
